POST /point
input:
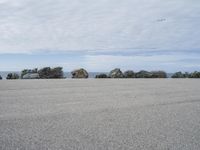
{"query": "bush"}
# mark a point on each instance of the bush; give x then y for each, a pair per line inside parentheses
(12, 76)
(44, 73)
(195, 74)
(50, 73)
(179, 75)
(129, 74)
(28, 71)
(143, 74)
(116, 73)
(159, 74)
(101, 76)
(57, 72)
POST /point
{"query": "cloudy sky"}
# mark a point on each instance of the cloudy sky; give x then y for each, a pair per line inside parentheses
(100, 35)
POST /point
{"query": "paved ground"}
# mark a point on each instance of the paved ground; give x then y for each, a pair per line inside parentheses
(100, 114)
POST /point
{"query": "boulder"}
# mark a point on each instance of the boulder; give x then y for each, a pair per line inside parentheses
(31, 76)
(80, 73)
(103, 75)
(129, 74)
(116, 73)
(12, 76)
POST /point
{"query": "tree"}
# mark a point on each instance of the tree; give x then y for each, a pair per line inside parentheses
(178, 75)
(159, 74)
(51, 73)
(12, 76)
(129, 74)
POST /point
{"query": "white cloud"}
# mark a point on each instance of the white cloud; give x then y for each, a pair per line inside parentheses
(28, 26)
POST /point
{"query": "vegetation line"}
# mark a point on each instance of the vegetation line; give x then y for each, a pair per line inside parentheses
(57, 73)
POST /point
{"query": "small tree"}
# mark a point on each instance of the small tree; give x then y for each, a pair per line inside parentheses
(102, 76)
(195, 74)
(12, 76)
(143, 74)
(50, 73)
(159, 74)
(178, 75)
(129, 74)
(26, 71)
(56, 72)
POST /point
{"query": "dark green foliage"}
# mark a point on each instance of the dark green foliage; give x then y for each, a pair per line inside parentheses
(101, 76)
(159, 74)
(143, 74)
(12, 76)
(50, 73)
(186, 75)
(57, 72)
(195, 74)
(129, 74)
(44, 73)
(28, 71)
(179, 75)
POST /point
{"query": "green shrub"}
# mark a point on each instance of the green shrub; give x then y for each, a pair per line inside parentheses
(129, 74)
(12, 76)
(51, 73)
(195, 74)
(159, 74)
(179, 75)
(28, 71)
(101, 76)
(143, 74)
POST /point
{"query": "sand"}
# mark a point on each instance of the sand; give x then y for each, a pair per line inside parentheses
(91, 114)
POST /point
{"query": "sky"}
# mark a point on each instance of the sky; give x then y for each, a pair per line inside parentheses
(100, 35)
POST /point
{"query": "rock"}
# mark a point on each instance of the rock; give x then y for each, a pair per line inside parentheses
(116, 73)
(12, 76)
(1, 77)
(80, 73)
(159, 74)
(101, 76)
(143, 74)
(48, 73)
(31, 76)
(129, 74)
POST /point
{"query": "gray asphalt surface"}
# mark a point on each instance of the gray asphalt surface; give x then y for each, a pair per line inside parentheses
(100, 114)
